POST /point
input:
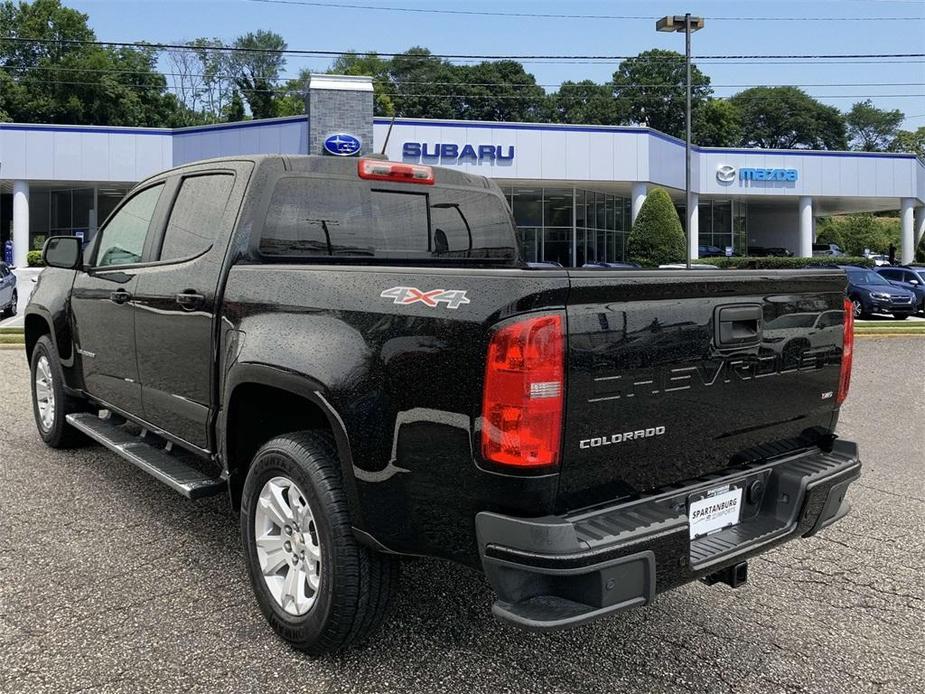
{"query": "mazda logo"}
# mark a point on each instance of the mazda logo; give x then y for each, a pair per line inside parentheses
(725, 173)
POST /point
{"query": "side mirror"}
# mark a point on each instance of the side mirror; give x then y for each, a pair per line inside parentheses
(62, 251)
(913, 281)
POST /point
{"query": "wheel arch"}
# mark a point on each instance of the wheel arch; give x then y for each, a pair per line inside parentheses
(261, 402)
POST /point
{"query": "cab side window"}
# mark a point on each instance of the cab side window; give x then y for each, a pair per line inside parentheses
(123, 238)
(197, 215)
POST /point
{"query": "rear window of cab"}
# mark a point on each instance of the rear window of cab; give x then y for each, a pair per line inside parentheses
(311, 217)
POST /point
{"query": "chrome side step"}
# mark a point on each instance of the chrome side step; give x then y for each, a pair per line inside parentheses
(163, 464)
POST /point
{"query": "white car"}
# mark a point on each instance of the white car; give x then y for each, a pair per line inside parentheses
(880, 260)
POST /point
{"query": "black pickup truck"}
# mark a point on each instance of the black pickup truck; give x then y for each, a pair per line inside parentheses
(354, 353)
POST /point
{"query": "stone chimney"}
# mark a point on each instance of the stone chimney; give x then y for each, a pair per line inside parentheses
(339, 104)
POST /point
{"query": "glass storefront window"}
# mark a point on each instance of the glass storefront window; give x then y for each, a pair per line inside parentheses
(555, 224)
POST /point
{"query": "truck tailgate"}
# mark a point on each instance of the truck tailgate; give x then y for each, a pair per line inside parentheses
(673, 375)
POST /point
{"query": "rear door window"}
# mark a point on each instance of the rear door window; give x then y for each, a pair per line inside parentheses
(313, 217)
(197, 216)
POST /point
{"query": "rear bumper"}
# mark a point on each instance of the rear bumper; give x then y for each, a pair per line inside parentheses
(561, 571)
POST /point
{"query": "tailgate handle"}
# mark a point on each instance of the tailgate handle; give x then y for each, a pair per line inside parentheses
(738, 325)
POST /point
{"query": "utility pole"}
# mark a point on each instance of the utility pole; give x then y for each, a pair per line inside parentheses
(688, 25)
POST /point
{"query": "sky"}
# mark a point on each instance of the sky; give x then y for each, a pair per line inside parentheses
(787, 27)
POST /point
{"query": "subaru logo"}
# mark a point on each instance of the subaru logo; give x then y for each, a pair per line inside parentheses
(342, 144)
(725, 173)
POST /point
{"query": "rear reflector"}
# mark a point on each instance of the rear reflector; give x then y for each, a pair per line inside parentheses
(522, 401)
(377, 170)
(847, 353)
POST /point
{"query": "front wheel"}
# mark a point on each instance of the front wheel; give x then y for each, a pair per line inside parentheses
(859, 311)
(50, 403)
(900, 316)
(319, 589)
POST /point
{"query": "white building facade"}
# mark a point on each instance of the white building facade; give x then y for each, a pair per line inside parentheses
(574, 190)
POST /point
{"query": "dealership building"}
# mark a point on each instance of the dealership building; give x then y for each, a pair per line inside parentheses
(574, 189)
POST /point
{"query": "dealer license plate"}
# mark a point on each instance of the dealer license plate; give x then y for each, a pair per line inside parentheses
(719, 509)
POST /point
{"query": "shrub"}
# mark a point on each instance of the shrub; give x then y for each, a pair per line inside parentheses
(656, 237)
(855, 232)
(773, 263)
(34, 259)
(38, 241)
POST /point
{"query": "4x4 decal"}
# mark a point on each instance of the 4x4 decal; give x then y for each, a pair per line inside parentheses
(453, 298)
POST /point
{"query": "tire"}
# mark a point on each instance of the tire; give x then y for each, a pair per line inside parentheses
(351, 584)
(859, 311)
(48, 387)
(10, 309)
(901, 316)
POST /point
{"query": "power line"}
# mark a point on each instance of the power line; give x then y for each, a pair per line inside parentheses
(451, 95)
(462, 56)
(521, 85)
(539, 15)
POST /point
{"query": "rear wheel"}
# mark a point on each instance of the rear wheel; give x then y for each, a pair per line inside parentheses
(319, 589)
(50, 403)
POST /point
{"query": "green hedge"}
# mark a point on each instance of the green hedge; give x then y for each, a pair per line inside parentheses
(34, 259)
(773, 263)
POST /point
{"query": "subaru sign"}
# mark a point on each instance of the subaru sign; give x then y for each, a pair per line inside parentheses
(727, 174)
(342, 144)
(451, 153)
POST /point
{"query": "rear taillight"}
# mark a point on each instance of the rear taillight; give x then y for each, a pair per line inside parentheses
(378, 170)
(847, 353)
(522, 402)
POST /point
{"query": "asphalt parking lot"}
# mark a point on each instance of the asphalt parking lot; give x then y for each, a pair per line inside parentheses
(111, 582)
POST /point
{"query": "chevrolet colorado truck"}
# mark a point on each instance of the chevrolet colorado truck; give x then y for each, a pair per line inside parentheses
(353, 352)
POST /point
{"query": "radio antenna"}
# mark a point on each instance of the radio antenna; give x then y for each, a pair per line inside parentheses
(388, 135)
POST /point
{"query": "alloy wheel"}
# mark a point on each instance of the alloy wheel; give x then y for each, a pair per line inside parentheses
(288, 545)
(45, 393)
(858, 308)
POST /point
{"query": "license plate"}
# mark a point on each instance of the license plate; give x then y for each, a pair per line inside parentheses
(719, 509)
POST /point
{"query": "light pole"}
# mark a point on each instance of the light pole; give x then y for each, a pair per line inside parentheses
(688, 25)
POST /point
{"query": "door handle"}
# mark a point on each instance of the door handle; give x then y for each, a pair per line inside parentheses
(190, 300)
(120, 296)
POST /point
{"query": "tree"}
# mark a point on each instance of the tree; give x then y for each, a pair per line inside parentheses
(856, 233)
(585, 102)
(372, 65)
(871, 129)
(717, 123)
(61, 78)
(788, 118)
(651, 87)
(910, 141)
(256, 64)
(656, 237)
(498, 91)
(234, 110)
(424, 86)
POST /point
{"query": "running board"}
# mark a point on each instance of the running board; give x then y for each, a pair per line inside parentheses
(158, 462)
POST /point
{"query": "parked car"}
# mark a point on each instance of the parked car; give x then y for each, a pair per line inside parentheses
(880, 260)
(792, 334)
(908, 277)
(710, 252)
(827, 249)
(8, 295)
(293, 331)
(871, 293)
(683, 266)
(614, 266)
